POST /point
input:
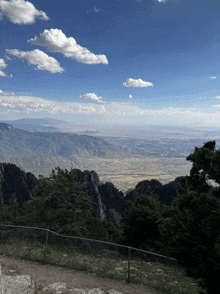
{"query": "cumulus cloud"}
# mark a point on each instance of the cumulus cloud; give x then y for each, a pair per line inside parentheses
(39, 58)
(212, 77)
(10, 103)
(3, 65)
(91, 96)
(217, 97)
(2, 74)
(136, 83)
(20, 11)
(130, 96)
(56, 41)
(161, 1)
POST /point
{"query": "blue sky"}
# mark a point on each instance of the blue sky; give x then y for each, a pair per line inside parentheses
(127, 62)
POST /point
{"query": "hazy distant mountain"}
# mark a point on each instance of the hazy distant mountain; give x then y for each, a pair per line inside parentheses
(36, 124)
(16, 141)
(35, 121)
(6, 127)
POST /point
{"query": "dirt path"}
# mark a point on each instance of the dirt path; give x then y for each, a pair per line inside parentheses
(44, 275)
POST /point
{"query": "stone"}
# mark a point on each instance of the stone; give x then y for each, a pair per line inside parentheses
(93, 291)
(56, 287)
(17, 285)
(87, 291)
(113, 292)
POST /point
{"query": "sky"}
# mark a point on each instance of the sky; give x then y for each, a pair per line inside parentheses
(111, 62)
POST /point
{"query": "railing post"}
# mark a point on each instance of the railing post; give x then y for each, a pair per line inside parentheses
(1, 278)
(129, 262)
(45, 250)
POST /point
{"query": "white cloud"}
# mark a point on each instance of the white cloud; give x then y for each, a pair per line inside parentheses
(91, 96)
(112, 113)
(130, 96)
(6, 94)
(136, 83)
(97, 10)
(20, 11)
(212, 77)
(7, 57)
(161, 1)
(56, 41)
(3, 65)
(2, 74)
(39, 58)
(9, 102)
(217, 97)
(91, 109)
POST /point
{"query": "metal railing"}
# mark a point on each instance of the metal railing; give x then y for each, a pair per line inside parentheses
(123, 250)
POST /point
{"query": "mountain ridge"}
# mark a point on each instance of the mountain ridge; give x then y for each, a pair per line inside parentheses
(17, 141)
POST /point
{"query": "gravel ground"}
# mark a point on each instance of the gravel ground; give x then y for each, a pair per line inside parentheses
(44, 275)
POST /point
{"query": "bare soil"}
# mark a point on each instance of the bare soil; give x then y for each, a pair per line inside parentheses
(44, 275)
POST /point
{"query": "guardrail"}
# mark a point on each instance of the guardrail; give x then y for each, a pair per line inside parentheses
(146, 255)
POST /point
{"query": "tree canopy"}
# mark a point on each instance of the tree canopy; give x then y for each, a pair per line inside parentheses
(139, 220)
(205, 166)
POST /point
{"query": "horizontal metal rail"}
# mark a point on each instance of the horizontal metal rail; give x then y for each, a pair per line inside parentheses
(92, 240)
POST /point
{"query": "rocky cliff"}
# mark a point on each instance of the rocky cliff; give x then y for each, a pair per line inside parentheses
(108, 200)
(14, 180)
(114, 202)
(165, 193)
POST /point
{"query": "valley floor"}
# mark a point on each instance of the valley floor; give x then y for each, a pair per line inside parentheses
(127, 173)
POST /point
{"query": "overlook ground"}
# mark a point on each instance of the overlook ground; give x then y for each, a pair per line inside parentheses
(44, 275)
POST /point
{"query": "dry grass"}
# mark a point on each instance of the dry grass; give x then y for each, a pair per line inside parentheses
(168, 279)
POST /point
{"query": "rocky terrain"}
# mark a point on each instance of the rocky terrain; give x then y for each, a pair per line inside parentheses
(26, 277)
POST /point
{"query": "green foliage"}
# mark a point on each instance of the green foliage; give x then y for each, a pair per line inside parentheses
(58, 202)
(3, 209)
(192, 229)
(139, 220)
(102, 230)
(13, 211)
(205, 166)
(9, 213)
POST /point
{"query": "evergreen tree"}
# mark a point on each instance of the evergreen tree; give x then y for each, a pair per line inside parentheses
(192, 230)
(139, 221)
(58, 202)
(3, 209)
(205, 166)
(13, 211)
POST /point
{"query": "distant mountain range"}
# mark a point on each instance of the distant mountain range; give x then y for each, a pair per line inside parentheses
(35, 121)
(20, 142)
(36, 124)
(40, 145)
